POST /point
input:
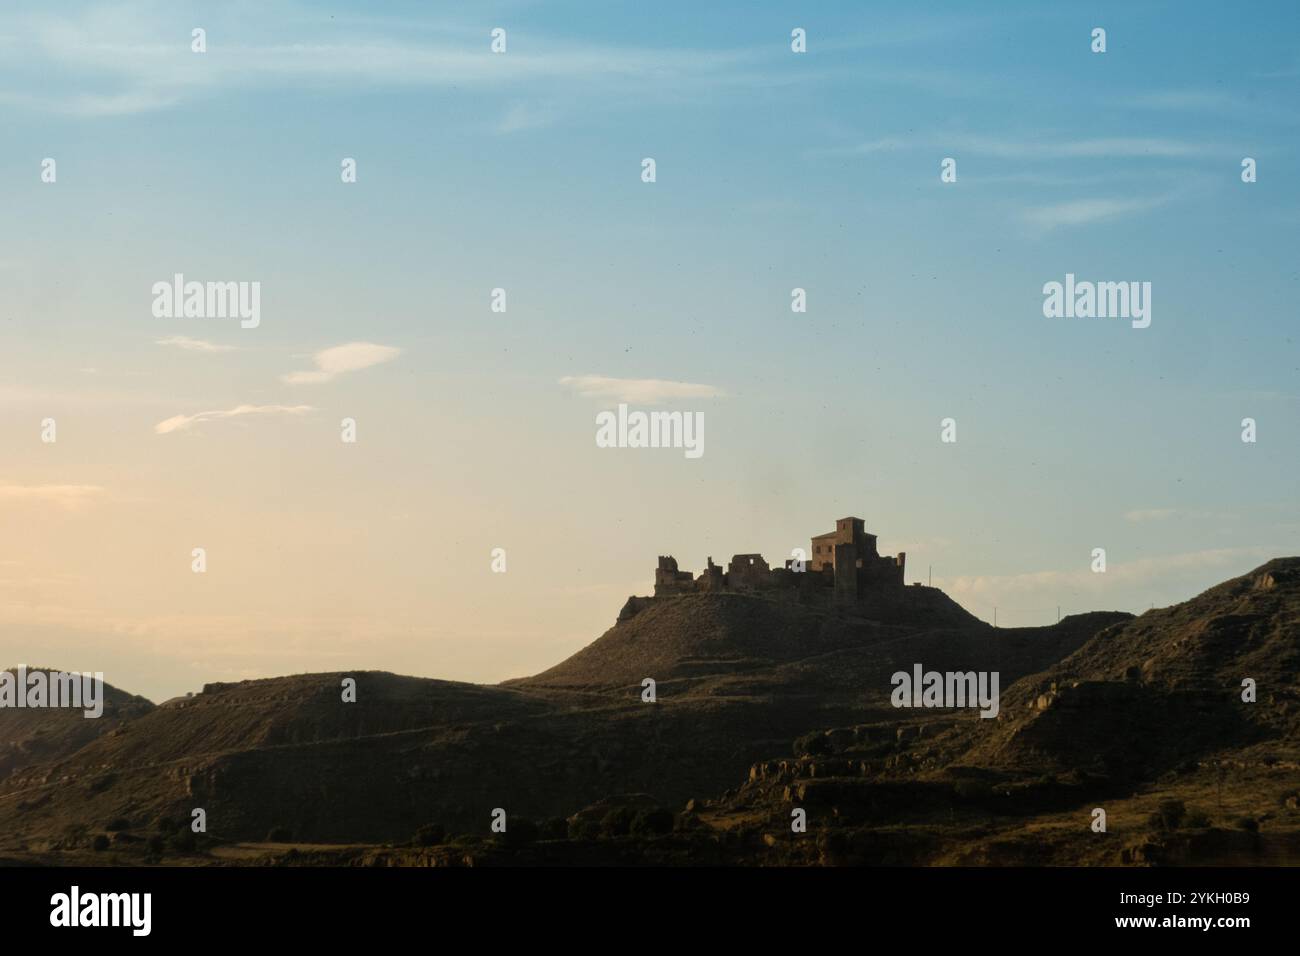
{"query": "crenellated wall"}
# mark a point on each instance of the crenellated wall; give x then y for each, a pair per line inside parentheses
(843, 565)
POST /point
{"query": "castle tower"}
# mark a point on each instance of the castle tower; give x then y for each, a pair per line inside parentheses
(850, 531)
(847, 563)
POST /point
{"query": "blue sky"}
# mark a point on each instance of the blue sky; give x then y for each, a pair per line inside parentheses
(521, 170)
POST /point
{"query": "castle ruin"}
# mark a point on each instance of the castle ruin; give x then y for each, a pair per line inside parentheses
(843, 572)
(842, 567)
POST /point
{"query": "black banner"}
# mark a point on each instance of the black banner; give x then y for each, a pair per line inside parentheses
(226, 904)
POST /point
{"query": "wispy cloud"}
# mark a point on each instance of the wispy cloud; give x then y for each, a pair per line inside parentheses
(1211, 100)
(1109, 147)
(1217, 102)
(1040, 591)
(644, 391)
(520, 117)
(109, 63)
(68, 497)
(194, 345)
(1040, 146)
(178, 423)
(879, 145)
(90, 104)
(333, 362)
(1080, 212)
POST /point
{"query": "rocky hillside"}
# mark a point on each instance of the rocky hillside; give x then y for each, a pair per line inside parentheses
(1148, 694)
(31, 737)
(762, 707)
(737, 679)
(1145, 720)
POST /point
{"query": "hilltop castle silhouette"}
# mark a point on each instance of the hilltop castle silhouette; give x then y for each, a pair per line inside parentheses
(844, 560)
(842, 567)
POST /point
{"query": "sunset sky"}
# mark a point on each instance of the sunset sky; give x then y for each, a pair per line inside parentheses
(522, 171)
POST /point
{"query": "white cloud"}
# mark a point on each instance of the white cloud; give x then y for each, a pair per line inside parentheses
(1113, 147)
(1079, 212)
(194, 345)
(109, 60)
(1032, 596)
(1041, 147)
(1228, 106)
(1211, 100)
(643, 391)
(184, 422)
(69, 497)
(89, 104)
(883, 144)
(333, 362)
(521, 117)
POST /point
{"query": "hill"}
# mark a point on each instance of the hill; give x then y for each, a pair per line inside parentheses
(738, 677)
(39, 736)
(1146, 721)
(761, 707)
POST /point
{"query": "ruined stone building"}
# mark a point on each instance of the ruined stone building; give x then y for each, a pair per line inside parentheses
(843, 572)
(842, 564)
(850, 552)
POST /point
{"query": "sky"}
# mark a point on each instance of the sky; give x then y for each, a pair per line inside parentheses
(522, 170)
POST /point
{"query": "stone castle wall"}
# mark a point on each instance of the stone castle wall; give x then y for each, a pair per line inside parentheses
(843, 565)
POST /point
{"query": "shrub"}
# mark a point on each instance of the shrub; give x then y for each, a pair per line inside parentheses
(279, 835)
(1246, 823)
(74, 834)
(616, 823)
(1171, 814)
(584, 828)
(100, 843)
(812, 745)
(431, 834)
(971, 789)
(687, 821)
(833, 847)
(1197, 820)
(100, 784)
(184, 841)
(652, 822)
(156, 845)
(121, 823)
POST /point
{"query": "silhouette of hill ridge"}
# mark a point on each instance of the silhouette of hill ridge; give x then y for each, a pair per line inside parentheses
(738, 678)
(40, 735)
(1146, 713)
(1180, 670)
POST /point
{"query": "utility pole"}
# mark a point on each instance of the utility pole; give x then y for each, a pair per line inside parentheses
(995, 615)
(1058, 614)
(930, 581)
